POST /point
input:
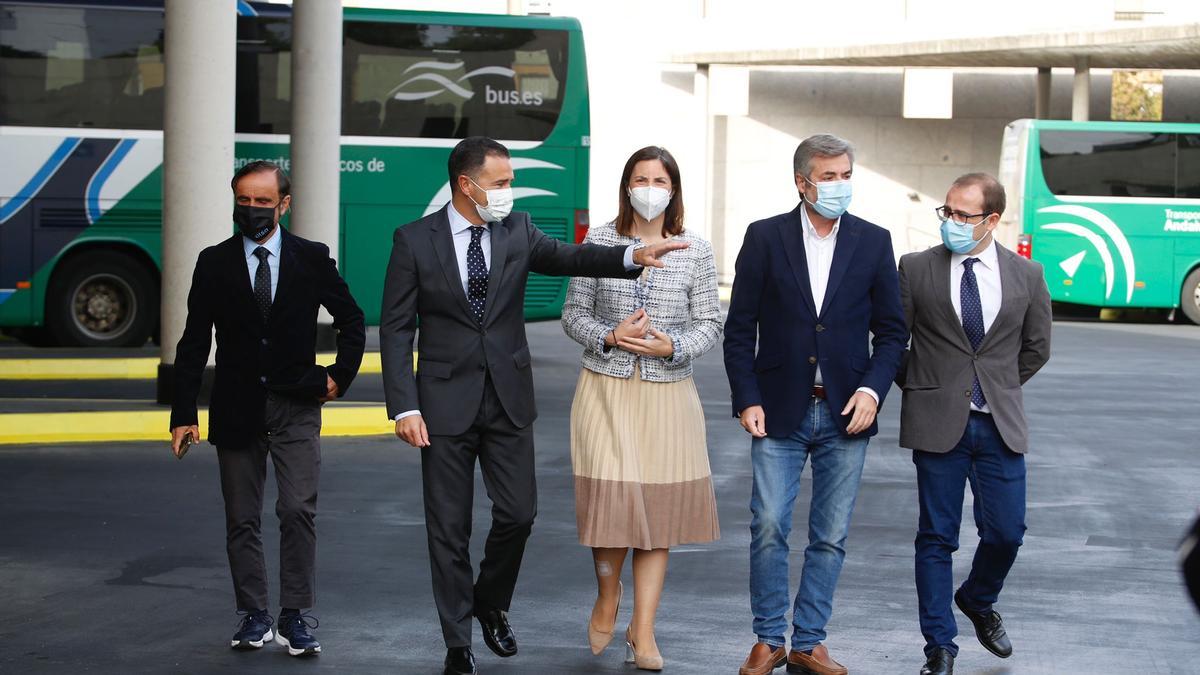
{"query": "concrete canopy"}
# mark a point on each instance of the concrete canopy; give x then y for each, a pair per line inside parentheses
(1175, 46)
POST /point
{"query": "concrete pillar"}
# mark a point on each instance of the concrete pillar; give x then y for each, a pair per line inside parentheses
(201, 49)
(1082, 91)
(1041, 105)
(700, 89)
(317, 121)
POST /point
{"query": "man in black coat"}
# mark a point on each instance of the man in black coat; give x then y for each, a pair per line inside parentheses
(462, 272)
(262, 289)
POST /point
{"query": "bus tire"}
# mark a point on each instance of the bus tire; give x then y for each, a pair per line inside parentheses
(1189, 297)
(101, 299)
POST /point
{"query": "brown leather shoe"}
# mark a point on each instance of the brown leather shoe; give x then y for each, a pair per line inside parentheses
(763, 659)
(818, 664)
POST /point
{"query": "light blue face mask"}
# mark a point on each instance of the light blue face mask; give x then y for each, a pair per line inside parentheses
(833, 197)
(957, 236)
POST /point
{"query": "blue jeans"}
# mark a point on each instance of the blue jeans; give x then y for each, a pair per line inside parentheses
(837, 463)
(997, 477)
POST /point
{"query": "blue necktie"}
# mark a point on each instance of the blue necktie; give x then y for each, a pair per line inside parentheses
(477, 274)
(972, 319)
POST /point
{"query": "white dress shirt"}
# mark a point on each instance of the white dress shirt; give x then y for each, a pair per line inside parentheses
(987, 277)
(273, 245)
(460, 230)
(818, 254)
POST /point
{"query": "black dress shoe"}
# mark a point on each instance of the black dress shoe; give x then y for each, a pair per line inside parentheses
(989, 628)
(940, 662)
(460, 661)
(497, 634)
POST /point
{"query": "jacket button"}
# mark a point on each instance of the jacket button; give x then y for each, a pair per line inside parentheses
(967, 393)
(263, 379)
(820, 328)
(483, 366)
(812, 359)
(264, 341)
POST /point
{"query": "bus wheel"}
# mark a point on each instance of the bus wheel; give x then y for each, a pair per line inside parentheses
(101, 299)
(1189, 298)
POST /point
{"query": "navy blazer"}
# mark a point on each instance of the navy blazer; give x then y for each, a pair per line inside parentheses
(772, 309)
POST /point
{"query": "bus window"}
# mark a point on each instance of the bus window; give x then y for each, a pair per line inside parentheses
(1109, 163)
(264, 75)
(64, 66)
(438, 81)
(1188, 184)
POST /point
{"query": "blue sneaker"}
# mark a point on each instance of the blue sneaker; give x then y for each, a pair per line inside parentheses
(292, 632)
(254, 631)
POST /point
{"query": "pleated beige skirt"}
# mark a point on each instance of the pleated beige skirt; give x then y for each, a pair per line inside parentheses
(642, 477)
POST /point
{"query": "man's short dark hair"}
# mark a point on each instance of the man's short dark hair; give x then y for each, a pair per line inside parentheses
(261, 166)
(994, 200)
(469, 156)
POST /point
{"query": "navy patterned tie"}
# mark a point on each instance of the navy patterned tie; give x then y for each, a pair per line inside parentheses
(262, 282)
(477, 274)
(972, 319)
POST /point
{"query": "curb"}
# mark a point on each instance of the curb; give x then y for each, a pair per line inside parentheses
(137, 368)
(152, 425)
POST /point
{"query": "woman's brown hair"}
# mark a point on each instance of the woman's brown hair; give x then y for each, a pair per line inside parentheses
(673, 216)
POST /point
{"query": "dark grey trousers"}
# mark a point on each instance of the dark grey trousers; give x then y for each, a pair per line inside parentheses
(293, 440)
(505, 454)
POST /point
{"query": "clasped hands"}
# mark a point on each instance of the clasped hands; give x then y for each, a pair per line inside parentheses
(635, 334)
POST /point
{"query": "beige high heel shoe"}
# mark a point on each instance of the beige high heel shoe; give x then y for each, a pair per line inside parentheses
(642, 661)
(599, 640)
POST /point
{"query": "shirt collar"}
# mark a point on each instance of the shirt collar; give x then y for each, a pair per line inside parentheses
(987, 256)
(810, 231)
(458, 223)
(273, 244)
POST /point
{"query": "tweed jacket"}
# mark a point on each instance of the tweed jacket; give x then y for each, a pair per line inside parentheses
(681, 299)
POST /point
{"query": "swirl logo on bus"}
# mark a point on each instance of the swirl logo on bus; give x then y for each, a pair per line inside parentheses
(431, 80)
(1104, 225)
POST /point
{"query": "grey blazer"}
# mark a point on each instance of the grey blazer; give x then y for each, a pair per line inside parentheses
(459, 354)
(939, 366)
(682, 302)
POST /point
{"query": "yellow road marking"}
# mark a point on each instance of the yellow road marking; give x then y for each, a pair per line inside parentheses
(152, 425)
(135, 368)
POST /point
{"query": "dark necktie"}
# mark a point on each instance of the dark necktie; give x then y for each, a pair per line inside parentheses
(262, 282)
(477, 274)
(972, 319)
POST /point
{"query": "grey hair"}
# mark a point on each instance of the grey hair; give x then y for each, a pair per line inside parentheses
(820, 145)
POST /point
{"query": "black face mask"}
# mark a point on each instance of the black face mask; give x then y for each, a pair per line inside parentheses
(254, 221)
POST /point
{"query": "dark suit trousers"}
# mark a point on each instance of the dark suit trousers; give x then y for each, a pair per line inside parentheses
(293, 440)
(997, 478)
(505, 454)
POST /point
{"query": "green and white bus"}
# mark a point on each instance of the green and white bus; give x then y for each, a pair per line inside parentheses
(81, 99)
(1111, 209)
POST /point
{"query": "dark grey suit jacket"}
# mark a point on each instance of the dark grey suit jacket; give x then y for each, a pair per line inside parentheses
(940, 366)
(456, 351)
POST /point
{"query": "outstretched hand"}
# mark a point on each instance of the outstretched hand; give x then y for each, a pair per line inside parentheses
(651, 255)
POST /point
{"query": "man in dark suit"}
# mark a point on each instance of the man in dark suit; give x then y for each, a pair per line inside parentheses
(461, 272)
(980, 320)
(262, 289)
(812, 287)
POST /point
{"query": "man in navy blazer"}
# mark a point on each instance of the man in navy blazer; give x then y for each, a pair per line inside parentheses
(812, 288)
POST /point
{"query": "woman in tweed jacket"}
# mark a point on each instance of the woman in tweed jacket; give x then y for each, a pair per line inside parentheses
(642, 478)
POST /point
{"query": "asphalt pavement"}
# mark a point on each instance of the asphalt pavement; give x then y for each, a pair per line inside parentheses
(112, 554)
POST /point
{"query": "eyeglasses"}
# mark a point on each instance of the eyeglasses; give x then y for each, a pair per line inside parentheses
(945, 213)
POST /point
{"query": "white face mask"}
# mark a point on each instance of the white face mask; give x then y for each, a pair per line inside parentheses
(500, 203)
(649, 201)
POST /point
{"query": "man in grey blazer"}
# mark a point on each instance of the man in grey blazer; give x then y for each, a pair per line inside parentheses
(980, 321)
(460, 272)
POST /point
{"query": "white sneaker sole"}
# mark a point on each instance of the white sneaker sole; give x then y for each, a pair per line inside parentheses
(279, 639)
(252, 644)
